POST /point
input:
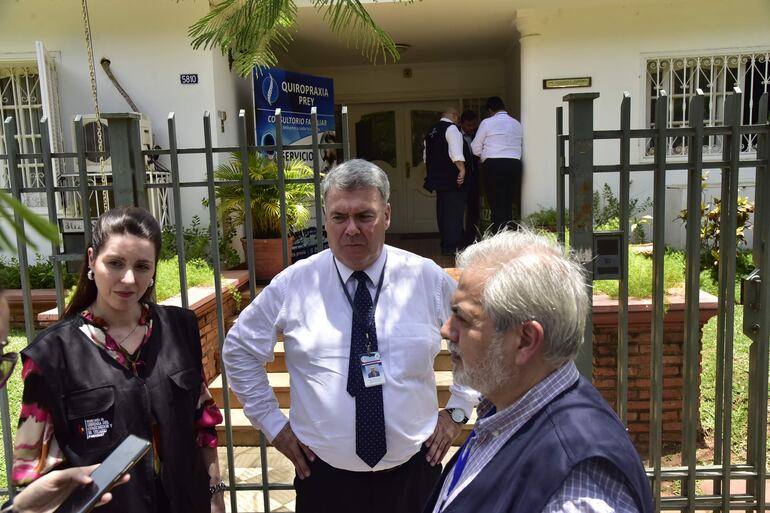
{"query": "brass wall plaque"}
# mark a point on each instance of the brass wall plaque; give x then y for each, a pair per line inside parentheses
(562, 83)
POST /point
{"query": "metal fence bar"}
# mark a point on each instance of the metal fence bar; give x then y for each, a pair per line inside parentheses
(692, 295)
(581, 160)
(727, 250)
(14, 177)
(759, 350)
(345, 134)
(52, 217)
(177, 198)
(5, 417)
(281, 184)
(319, 235)
(213, 232)
(248, 228)
(621, 401)
(560, 175)
(80, 150)
(658, 306)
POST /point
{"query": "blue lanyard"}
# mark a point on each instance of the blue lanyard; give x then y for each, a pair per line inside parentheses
(462, 460)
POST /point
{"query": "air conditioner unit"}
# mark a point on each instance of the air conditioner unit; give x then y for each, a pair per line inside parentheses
(90, 129)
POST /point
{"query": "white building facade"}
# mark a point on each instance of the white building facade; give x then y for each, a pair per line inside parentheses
(458, 53)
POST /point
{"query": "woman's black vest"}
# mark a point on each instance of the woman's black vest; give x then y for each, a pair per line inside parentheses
(96, 402)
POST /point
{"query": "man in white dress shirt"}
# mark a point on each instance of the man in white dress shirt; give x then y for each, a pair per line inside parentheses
(498, 143)
(311, 303)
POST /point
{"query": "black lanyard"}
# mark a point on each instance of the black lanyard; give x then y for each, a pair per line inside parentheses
(368, 324)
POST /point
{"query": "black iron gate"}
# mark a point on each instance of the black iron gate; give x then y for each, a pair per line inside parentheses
(675, 487)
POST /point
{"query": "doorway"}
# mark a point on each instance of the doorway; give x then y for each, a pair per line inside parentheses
(391, 135)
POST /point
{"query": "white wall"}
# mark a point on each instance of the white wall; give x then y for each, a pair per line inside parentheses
(609, 44)
(429, 81)
(147, 44)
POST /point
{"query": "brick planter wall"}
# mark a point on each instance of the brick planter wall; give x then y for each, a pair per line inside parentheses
(42, 300)
(605, 324)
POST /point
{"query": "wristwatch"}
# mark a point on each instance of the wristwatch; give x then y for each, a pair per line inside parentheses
(219, 487)
(457, 415)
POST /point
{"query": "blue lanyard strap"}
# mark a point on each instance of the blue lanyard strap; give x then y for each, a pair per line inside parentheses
(462, 459)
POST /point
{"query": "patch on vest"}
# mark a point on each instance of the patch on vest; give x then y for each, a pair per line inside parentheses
(95, 428)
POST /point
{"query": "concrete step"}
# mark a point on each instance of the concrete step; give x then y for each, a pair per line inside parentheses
(280, 383)
(246, 435)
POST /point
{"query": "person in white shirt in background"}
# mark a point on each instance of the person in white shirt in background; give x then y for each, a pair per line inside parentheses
(498, 142)
(311, 303)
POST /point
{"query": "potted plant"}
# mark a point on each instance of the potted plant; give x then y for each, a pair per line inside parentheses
(265, 206)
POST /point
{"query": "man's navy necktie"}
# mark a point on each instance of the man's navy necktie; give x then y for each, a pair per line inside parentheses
(370, 417)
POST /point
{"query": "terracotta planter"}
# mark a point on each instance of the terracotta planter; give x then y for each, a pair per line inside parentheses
(268, 257)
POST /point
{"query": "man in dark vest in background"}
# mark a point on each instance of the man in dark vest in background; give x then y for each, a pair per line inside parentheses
(545, 440)
(445, 165)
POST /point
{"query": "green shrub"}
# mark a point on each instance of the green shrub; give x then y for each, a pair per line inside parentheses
(40, 274)
(197, 244)
(606, 213)
(543, 218)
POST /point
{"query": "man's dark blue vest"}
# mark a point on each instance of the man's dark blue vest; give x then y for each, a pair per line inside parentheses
(576, 426)
(96, 402)
(441, 171)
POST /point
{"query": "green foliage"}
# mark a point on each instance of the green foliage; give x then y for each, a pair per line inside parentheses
(640, 275)
(606, 213)
(199, 273)
(16, 342)
(710, 230)
(739, 405)
(197, 244)
(237, 297)
(265, 199)
(250, 31)
(543, 218)
(40, 274)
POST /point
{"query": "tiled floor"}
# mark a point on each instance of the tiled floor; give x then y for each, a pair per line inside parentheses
(248, 470)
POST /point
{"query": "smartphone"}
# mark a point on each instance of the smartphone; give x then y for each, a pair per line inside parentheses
(120, 461)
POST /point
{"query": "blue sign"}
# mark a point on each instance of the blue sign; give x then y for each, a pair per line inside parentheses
(295, 94)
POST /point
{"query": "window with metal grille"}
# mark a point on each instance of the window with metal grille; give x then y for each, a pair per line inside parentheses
(20, 97)
(716, 75)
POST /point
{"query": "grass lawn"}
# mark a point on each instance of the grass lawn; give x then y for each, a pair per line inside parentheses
(16, 342)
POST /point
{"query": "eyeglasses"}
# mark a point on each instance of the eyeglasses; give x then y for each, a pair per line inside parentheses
(7, 364)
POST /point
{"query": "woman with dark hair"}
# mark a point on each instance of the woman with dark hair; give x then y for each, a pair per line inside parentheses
(115, 365)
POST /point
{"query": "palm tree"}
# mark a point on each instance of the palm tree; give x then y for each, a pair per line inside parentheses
(250, 30)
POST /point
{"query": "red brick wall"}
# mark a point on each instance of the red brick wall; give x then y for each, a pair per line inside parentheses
(207, 323)
(639, 355)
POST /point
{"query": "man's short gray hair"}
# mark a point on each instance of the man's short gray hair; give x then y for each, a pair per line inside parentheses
(532, 279)
(356, 174)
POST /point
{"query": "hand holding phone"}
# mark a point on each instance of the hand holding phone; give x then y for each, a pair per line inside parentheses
(120, 461)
